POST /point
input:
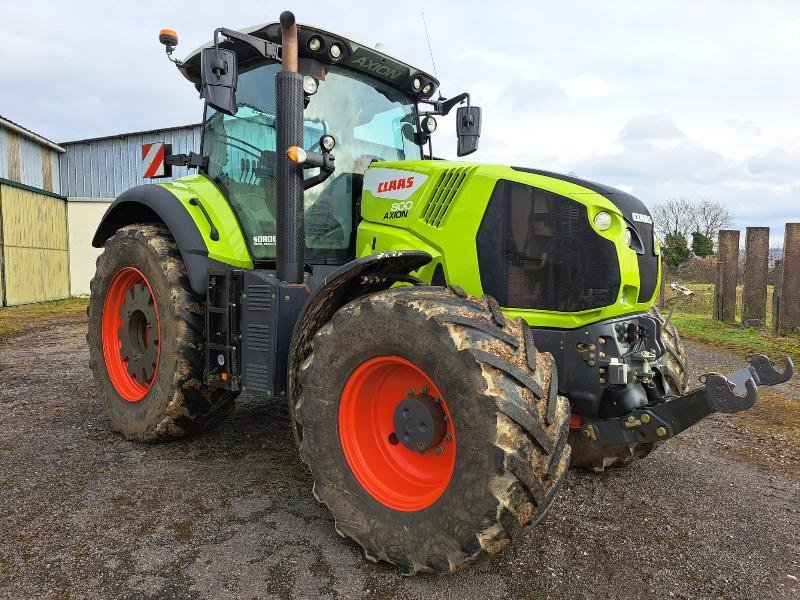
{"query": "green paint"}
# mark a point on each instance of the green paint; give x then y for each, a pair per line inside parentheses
(452, 243)
(231, 247)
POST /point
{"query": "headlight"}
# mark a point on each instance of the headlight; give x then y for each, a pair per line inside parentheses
(310, 85)
(327, 142)
(429, 124)
(416, 84)
(314, 44)
(427, 90)
(628, 237)
(602, 220)
(335, 51)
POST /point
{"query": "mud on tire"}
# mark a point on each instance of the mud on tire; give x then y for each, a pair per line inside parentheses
(510, 425)
(675, 376)
(177, 402)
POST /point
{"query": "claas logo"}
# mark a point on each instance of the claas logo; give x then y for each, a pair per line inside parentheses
(396, 184)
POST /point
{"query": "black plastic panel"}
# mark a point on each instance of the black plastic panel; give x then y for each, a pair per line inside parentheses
(537, 250)
(630, 206)
(269, 310)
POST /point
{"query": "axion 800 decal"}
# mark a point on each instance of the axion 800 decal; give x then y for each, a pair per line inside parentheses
(393, 184)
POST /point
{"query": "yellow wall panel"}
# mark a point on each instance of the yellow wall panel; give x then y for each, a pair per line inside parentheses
(47, 169)
(32, 220)
(2, 264)
(34, 257)
(12, 152)
(35, 275)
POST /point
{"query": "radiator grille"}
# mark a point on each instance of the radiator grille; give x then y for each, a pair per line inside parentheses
(446, 190)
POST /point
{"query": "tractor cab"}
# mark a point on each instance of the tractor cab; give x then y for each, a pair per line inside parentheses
(362, 101)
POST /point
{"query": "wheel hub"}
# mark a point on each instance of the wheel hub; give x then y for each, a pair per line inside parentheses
(139, 335)
(419, 422)
(385, 401)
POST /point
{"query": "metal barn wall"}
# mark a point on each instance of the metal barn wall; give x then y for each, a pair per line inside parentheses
(94, 172)
(34, 263)
(106, 167)
(26, 160)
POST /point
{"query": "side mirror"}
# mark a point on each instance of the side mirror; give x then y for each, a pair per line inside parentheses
(218, 74)
(468, 129)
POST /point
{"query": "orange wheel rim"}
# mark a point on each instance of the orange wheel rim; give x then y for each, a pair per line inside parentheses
(393, 474)
(142, 326)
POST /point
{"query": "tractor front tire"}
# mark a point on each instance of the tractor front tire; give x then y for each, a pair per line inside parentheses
(388, 370)
(675, 376)
(146, 339)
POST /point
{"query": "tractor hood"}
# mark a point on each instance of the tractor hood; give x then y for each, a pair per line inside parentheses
(351, 54)
(534, 240)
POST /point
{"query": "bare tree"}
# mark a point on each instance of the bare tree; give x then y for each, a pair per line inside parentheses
(709, 216)
(673, 217)
(683, 216)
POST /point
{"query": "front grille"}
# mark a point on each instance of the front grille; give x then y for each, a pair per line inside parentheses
(537, 250)
(442, 197)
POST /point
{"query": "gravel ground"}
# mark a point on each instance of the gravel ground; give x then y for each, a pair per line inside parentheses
(712, 514)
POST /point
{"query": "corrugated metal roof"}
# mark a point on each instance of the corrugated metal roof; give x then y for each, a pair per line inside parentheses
(6, 122)
(124, 135)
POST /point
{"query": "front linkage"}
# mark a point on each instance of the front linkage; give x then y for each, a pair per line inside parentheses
(671, 415)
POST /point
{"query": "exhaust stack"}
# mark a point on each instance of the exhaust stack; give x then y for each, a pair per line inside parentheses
(290, 246)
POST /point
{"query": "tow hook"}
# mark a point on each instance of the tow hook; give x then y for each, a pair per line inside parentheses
(672, 415)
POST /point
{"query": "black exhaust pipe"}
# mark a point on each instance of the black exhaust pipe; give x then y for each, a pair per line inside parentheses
(290, 243)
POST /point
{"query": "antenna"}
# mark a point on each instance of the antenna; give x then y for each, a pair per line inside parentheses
(430, 50)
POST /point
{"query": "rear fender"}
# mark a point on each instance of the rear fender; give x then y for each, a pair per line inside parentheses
(170, 204)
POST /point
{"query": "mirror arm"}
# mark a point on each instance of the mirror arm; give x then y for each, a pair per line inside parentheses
(442, 107)
(324, 162)
(263, 47)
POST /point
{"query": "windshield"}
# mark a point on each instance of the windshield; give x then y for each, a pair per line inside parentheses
(370, 121)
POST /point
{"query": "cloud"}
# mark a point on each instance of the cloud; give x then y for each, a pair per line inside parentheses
(645, 128)
(543, 95)
(656, 151)
(778, 163)
(743, 126)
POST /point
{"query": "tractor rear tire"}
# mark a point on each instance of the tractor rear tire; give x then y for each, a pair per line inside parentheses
(146, 338)
(675, 375)
(504, 448)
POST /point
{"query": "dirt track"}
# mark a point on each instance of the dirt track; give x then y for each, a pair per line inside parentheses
(83, 513)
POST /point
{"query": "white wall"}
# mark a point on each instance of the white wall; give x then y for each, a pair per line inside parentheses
(83, 216)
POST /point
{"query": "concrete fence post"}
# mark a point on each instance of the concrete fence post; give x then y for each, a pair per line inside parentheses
(789, 309)
(756, 267)
(776, 297)
(727, 275)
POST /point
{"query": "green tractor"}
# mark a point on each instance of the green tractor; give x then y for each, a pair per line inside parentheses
(448, 336)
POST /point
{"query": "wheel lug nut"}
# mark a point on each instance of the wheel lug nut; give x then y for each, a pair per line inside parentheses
(410, 392)
(438, 450)
(425, 390)
(447, 436)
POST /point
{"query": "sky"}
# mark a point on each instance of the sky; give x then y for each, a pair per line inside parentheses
(676, 99)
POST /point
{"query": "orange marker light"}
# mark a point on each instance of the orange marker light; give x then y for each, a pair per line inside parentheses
(168, 37)
(296, 154)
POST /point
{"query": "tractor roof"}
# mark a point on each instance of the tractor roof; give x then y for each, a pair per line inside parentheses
(354, 56)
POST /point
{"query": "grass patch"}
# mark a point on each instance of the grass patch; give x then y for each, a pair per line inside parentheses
(16, 319)
(694, 322)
